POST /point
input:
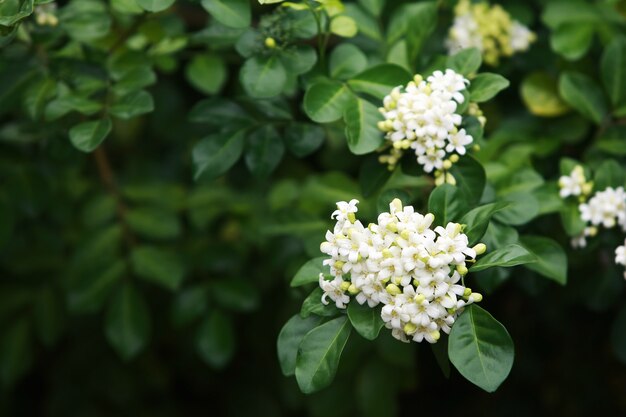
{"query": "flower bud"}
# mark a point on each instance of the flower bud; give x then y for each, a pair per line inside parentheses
(447, 164)
(393, 289)
(435, 335)
(462, 269)
(476, 297)
(419, 298)
(410, 328)
(454, 158)
(345, 285)
(467, 292)
(480, 248)
(270, 43)
(353, 290)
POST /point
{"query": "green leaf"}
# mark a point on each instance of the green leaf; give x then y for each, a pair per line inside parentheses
(12, 11)
(361, 118)
(510, 255)
(572, 40)
(236, 294)
(343, 26)
(421, 21)
(132, 105)
(470, 178)
(155, 5)
(440, 351)
(289, 340)
(85, 20)
(157, 265)
(48, 313)
(94, 290)
(309, 272)
(319, 354)
(571, 220)
(365, 320)
(447, 204)
(263, 77)
(466, 61)
(477, 220)
(609, 174)
(299, 60)
(189, 304)
(613, 70)
(135, 79)
(367, 25)
(265, 151)
(207, 73)
(154, 222)
(583, 94)
(486, 85)
(215, 154)
(313, 305)
(522, 208)
(215, 341)
(540, 95)
(232, 13)
(378, 81)
(87, 136)
(37, 96)
(480, 348)
(551, 259)
(127, 324)
(373, 176)
(302, 139)
(346, 60)
(324, 102)
(218, 111)
(374, 7)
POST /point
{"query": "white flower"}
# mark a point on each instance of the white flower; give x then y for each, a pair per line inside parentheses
(520, 37)
(422, 117)
(333, 289)
(620, 256)
(606, 208)
(401, 263)
(574, 184)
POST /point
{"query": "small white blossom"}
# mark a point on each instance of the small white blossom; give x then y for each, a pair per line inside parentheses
(574, 184)
(401, 263)
(606, 208)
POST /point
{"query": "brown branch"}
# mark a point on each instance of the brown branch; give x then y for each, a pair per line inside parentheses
(108, 180)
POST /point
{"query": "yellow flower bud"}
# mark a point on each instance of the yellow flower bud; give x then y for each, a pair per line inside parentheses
(435, 335)
(270, 43)
(353, 290)
(454, 158)
(393, 289)
(462, 269)
(345, 285)
(480, 248)
(447, 164)
(409, 328)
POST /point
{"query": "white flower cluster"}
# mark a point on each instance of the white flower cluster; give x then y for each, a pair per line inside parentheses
(606, 208)
(488, 28)
(422, 116)
(575, 184)
(415, 272)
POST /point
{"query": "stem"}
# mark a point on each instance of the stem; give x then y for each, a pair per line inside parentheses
(108, 180)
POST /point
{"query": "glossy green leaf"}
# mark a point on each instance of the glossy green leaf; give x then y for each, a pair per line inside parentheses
(85, 20)
(302, 139)
(325, 102)
(309, 272)
(365, 319)
(477, 220)
(132, 105)
(313, 305)
(215, 341)
(218, 111)
(343, 26)
(470, 178)
(467, 61)
(447, 204)
(378, 81)
(613, 70)
(87, 136)
(263, 77)
(264, 152)
(421, 21)
(319, 354)
(215, 154)
(551, 258)
(481, 349)
(189, 304)
(207, 73)
(583, 94)
(510, 255)
(232, 13)
(374, 7)
(609, 174)
(157, 265)
(361, 118)
(346, 60)
(571, 220)
(155, 5)
(486, 85)
(299, 60)
(541, 97)
(154, 222)
(373, 175)
(572, 40)
(289, 340)
(128, 325)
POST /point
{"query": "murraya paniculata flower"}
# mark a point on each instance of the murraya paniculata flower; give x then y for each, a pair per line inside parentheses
(575, 184)
(422, 117)
(45, 14)
(488, 28)
(402, 263)
(606, 208)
